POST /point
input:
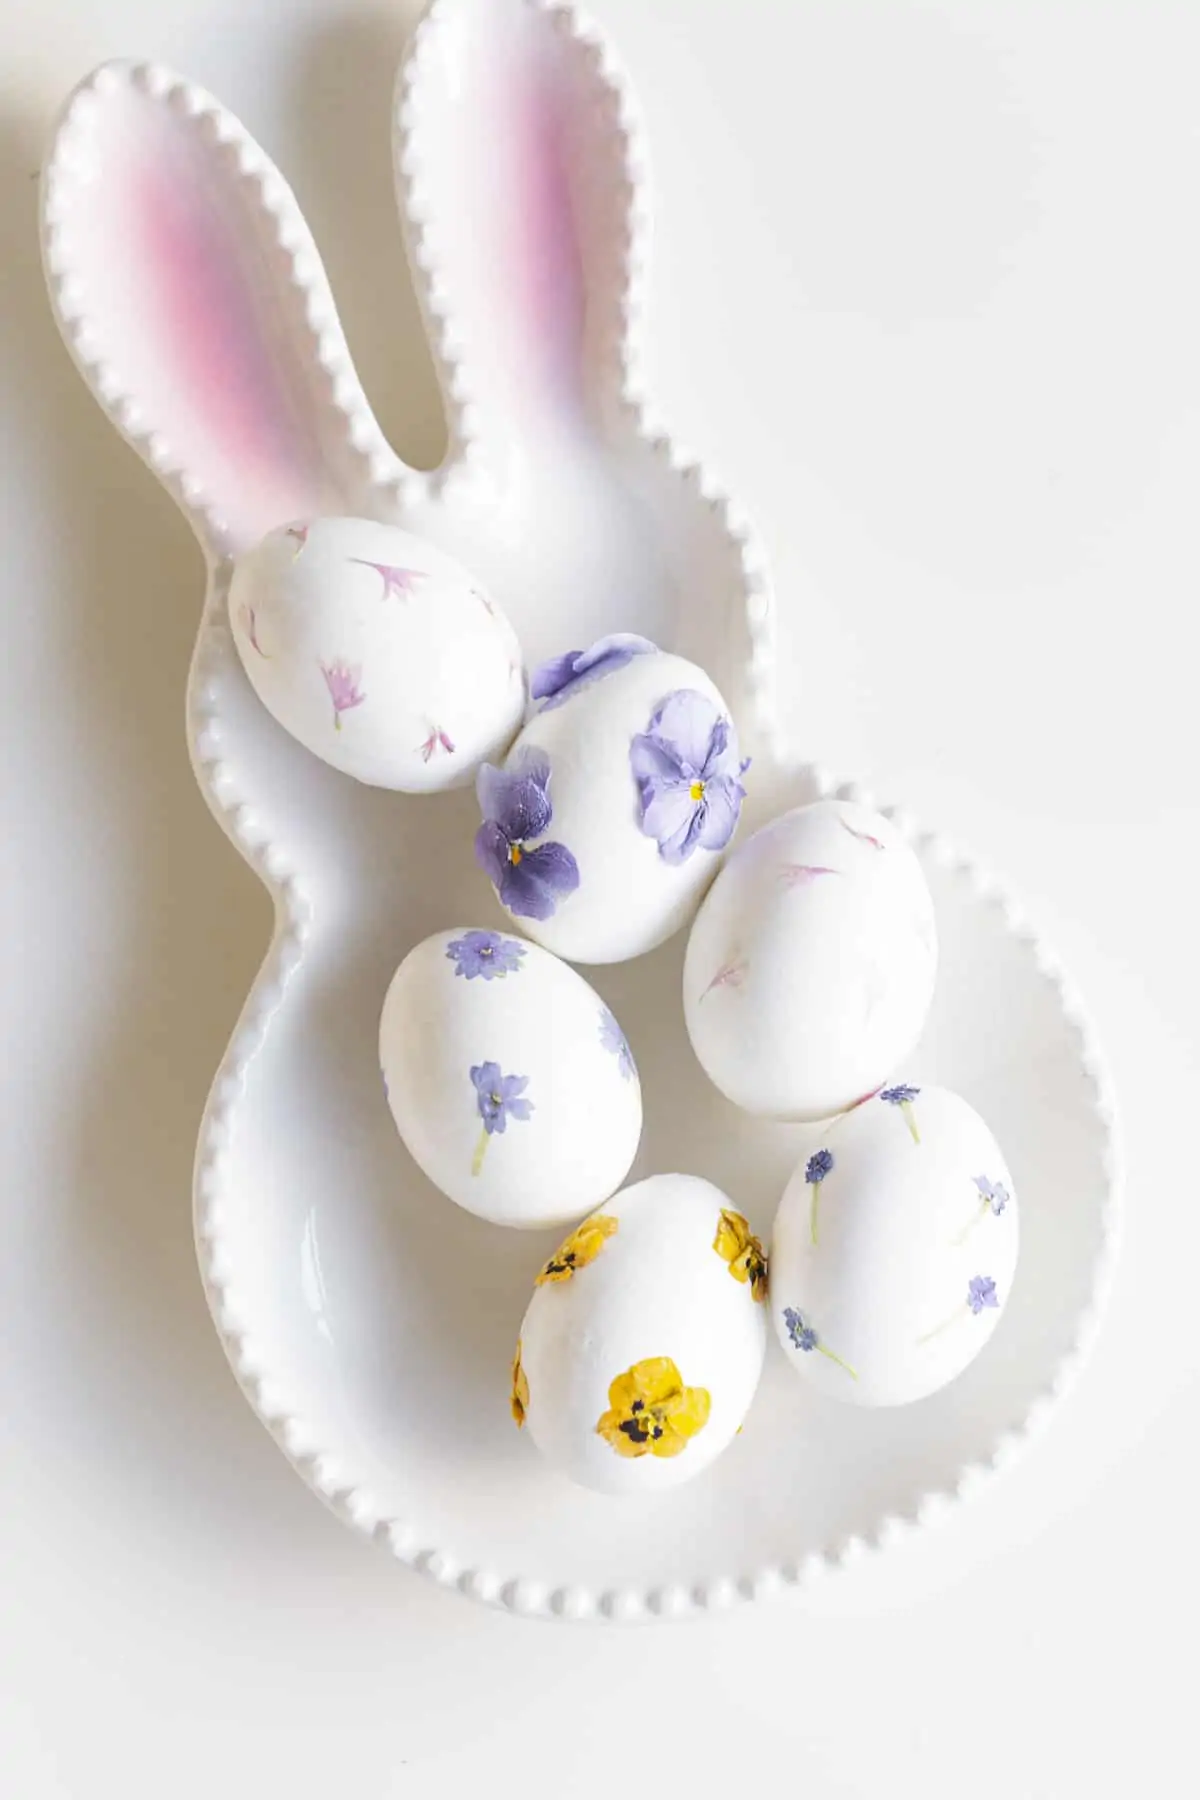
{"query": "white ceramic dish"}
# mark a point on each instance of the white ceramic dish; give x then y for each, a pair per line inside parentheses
(369, 1322)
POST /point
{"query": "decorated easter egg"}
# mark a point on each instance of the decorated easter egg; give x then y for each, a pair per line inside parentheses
(379, 653)
(894, 1248)
(608, 820)
(509, 1079)
(643, 1343)
(811, 963)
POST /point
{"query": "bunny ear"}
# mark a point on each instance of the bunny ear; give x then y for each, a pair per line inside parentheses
(189, 291)
(519, 174)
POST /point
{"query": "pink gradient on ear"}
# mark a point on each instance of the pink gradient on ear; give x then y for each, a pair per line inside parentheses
(221, 365)
(541, 247)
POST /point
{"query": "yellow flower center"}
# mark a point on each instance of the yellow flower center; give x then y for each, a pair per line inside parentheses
(697, 790)
(515, 853)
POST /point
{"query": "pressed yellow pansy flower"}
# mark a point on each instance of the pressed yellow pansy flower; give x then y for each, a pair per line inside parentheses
(742, 1251)
(583, 1246)
(651, 1413)
(520, 1388)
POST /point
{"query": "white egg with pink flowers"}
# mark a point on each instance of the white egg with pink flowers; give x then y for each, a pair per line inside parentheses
(377, 652)
(810, 966)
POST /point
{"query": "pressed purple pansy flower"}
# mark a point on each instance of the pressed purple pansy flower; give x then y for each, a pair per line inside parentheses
(342, 682)
(485, 953)
(816, 1169)
(556, 680)
(688, 773)
(614, 1039)
(399, 582)
(499, 1098)
(515, 803)
(903, 1097)
(804, 1337)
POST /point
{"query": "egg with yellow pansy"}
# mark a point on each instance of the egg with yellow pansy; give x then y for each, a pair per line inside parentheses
(642, 1346)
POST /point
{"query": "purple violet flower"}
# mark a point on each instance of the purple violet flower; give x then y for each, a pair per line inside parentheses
(498, 1098)
(994, 1194)
(556, 680)
(515, 803)
(688, 773)
(614, 1039)
(981, 1292)
(485, 953)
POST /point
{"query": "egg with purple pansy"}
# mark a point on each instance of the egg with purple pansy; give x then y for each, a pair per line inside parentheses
(810, 965)
(643, 1343)
(895, 1248)
(377, 651)
(609, 818)
(509, 1080)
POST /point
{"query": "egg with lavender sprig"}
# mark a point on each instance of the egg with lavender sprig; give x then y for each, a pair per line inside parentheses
(610, 816)
(894, 1249)
(378, 652)
(810, 966)
(508, 1078)
(643, 1343)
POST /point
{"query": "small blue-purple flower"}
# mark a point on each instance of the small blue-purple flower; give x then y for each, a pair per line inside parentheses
(802, 1335)
(688, 772)
(981, 1293)
(903, 1097)
(485, 953)
(614, 1039)
(516, 808)
(994, 1194)
(556, 680)
(805, 1337)
(816, 1169)
(498, 1098)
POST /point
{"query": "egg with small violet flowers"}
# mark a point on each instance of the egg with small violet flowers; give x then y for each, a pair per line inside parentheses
(810, 966)
(895, 1248)
(609, 818)
(642, 1346)
(508, 1078)
(377, 651)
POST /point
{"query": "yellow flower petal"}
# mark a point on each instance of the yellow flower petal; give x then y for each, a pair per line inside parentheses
(651, 1412)
(583, 1246)
(742, 1251)
(520, 1389)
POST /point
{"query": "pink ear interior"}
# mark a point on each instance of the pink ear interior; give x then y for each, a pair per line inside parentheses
(187, 299)
(519, 167)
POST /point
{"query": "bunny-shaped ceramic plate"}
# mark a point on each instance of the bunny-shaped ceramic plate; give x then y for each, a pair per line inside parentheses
(371, 1323)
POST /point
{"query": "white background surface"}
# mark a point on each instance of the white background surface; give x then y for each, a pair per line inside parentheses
(926, 294)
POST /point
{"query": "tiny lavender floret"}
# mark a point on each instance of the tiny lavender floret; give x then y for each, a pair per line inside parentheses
(818, 1167)
(903, 1097)
(805, 1337)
